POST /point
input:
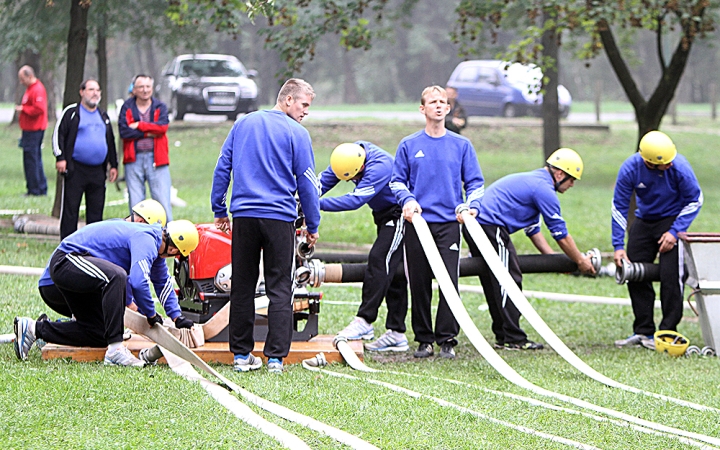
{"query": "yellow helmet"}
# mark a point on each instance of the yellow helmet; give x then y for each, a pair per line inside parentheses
(657, 148)
(184, 235)
(151, 211)
(567, 160)
(671, 342)
(347, 160)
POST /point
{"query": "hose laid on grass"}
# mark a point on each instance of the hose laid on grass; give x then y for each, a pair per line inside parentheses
(138, 323)
(499, 364)
(340, 343)
(235, 406)
(522, 304)
(312, 364)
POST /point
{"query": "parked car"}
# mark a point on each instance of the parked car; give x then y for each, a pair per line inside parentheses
(497, 88)
(207, 84)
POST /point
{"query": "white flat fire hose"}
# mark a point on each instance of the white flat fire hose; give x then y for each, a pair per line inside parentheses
(138, 323)
(499, 364)
(522, 304)
(235, 406)
(341, 344)
(314, 365)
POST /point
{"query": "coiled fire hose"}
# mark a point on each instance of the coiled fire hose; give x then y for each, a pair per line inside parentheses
(518, 298)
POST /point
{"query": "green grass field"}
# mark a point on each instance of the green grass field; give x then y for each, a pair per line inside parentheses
(61, 404)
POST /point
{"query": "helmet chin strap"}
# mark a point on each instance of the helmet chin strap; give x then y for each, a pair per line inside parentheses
(167, 241)
(558, 183)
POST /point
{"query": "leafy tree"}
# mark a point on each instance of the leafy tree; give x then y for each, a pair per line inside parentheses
(679, 22)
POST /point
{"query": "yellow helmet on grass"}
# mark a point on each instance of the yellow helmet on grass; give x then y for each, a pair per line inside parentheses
(671, 342)
(184, 235)
(567, 160)
(151, 211)
(347, 160)
(657, 148)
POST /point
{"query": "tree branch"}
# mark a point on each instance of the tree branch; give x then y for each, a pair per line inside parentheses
(621, 70)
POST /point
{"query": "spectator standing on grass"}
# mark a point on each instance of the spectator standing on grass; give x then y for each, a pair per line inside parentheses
(516, 202)
(370, 168)
(270, 157)
(84, 147)
(33, 122)
(92, 268)
(143, 124)
(456, 119)
(432, 166)
(668, 200)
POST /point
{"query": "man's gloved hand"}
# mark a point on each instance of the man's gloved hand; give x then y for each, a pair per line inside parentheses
(155, 319)
(183, 322)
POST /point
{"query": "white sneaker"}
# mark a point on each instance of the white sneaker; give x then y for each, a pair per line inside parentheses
(634, 340)
(24, 336)
(122, 357)
(247, 364)
(358, 329)
(391, 341)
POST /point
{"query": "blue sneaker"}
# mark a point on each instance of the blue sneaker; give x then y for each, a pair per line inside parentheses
(358, 329)
(391, 341)
(24, 336)
(275, 365)
(247, 363)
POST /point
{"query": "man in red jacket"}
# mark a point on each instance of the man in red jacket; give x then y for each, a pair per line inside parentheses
(33, 122)
(143, 124)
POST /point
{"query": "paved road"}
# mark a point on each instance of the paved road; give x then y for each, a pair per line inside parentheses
(320, 115)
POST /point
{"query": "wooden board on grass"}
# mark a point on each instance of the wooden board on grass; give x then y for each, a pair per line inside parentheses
(212, 352)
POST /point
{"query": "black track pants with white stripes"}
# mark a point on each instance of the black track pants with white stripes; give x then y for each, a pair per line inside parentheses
(95, 291)
(447, 239)
(504, 313)
(380, 282)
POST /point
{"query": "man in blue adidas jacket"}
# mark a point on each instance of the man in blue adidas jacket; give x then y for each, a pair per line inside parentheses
(432, 167)
(370, 168)
(92, 267)
(668, 200)
(270, 157)
(517, 202)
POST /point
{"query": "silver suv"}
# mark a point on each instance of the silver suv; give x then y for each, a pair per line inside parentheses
(207, 84)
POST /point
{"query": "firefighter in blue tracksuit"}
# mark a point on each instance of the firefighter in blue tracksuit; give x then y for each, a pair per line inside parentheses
(517, 202)
(668, 200)
(370, 168)
(432, 166)
(270, 157)
(92, 267)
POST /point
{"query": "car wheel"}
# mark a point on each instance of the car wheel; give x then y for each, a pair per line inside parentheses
(510, 110)
(232, 117)
(175, 112)
(565, 113)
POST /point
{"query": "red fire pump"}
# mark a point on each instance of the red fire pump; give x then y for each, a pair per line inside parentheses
(204, 280)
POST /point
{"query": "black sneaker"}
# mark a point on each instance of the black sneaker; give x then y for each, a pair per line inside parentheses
(447, 350)
(424, 350)
(524, 345)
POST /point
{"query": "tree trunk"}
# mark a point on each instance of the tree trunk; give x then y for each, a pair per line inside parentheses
(350, 89)
(649, 113)
(102, 61)
(550, 112)
(76, 49)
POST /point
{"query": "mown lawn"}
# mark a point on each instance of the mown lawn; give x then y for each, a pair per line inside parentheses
(61, 404)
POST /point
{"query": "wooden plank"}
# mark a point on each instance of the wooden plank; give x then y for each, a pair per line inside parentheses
(215, 352)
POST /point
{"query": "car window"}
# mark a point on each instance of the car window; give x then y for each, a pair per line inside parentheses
(211, 68)
(487, 75)
(467, 75)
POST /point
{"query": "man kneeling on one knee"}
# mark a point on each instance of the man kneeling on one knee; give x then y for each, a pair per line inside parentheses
(92, 269)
